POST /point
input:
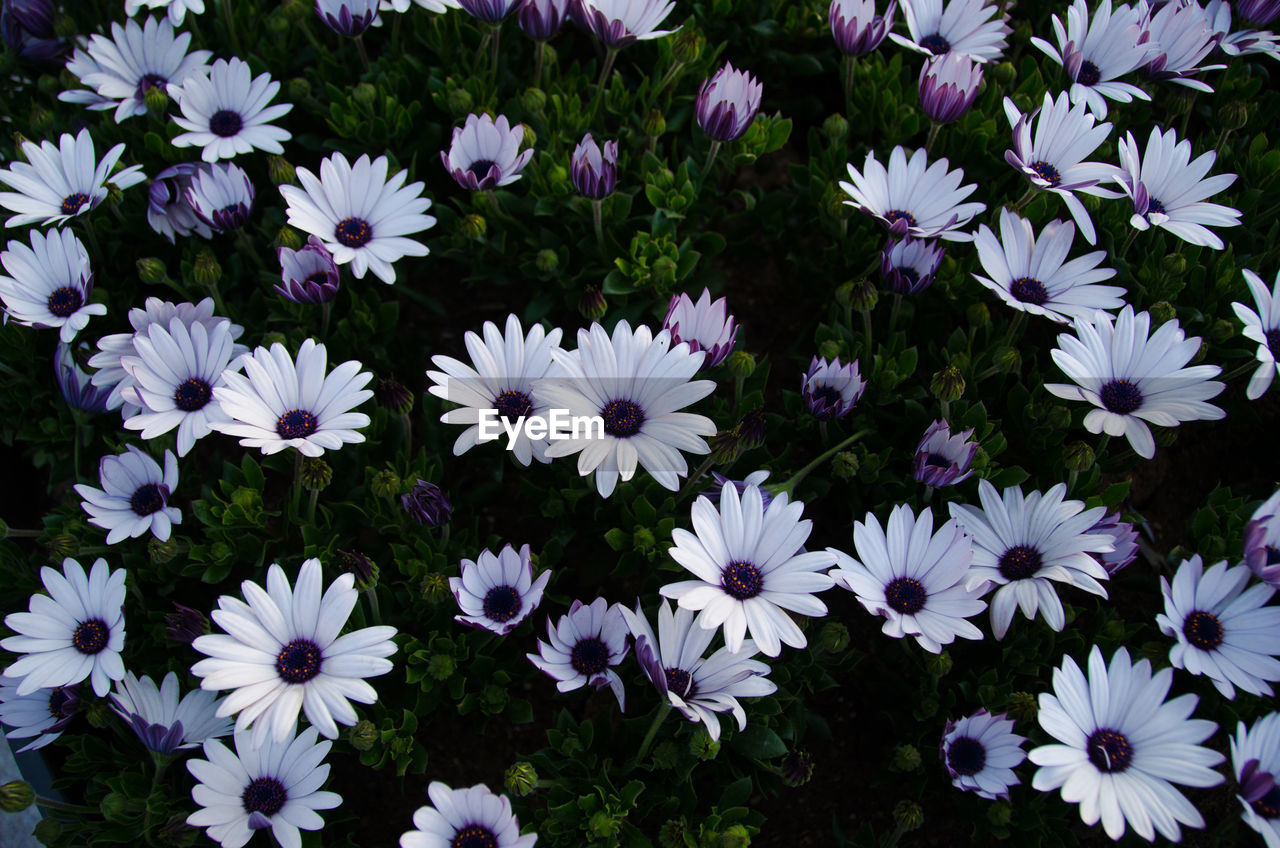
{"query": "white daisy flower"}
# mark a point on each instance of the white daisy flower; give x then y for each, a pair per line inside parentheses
(221, 195)
(980, 752)
(1262, 540)
(498, 592)
(437, 6)
(1124, 746)
(1052, 158)
(43, 714)
(268, 784)
(225, 111)
(50, 283)
(134, 498)
(136, 59)
(500, 378)
(1095, 50)
(635, 382)
(485, 153)
(913, 198)
(75, 631)
(175, 371)
(466, 818)
(1133, 376)
(1023, 543)
(291, 403)
(705, 325)
(1184, 36)
(177, 9)
(700, 687)
(913, 577)
(750, 568)
(1168, 189)
(973, 28)
(1262, 327)
(164, 723)
(360, 215)
(282, 653)
(1239, 42)
(1032, 274)
(1255, 762)
(618, 23)
(1224, 631)
(168, 211)
(62, 181)
(584, 646)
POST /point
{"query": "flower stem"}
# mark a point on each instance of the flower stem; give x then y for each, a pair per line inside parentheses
(1247, 368)
(325, 309)
(695, 477)
(711, 158)
(311, 505)
(1124, 249)
(893, 313)
(63, 807)
(605, 70)
(537, 62)
(229, 18)
(1026, 198)
(848, 85)
(408, 435)
(790, 486)
(597, 220)
(371, 595)
(1015, 326)
(663, 709)
(867, 336)
(493, 53)
(14, 533)
(933, 136)
(364, 55)
(294, 504)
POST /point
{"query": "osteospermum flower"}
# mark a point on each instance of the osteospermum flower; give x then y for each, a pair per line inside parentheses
(75, 631)
(1239, 42)
(221, 196)
(727, 103)
(541, 19)
(1123, 537)
(136, 59)
(489, 11)
(40, 716)
(1184, 36)
(943, 459)
(830, 389)
(1133, 376)
(948, 86)
(1262, 540)
(485, 153)
(912, 199)
(913, 577)
(1168, 189)
(1096, 50)
(26, 27)
(62, 181)
(705, 325)
(1032, 275)
(1224, 630)
(161, 720)
(498, 592)
(134, 498)
(281, 402)
(76, 385)
(1052, 158)
(1262, 327)
(437, 6)
(282, 654)
(1123, 746)
(360, 215)
(426, 504)
(974, 28)
(168, 211)
(49, 284)
(980, 752)
(750, 569)
(348, 17)
(225, 111)
(856, 27)
(462, 818)
(699, 687)
(308, 275)
(635, 383)
(1022, 544)
(583, 647)
(618, 23)
(1255, 763)
(594, 169)
(176, 9)
(909, 265)
(269, 784)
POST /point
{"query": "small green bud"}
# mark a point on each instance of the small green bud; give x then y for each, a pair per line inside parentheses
(1233, 115)
(1000, 813)
(864, 296)
(1023, 707)
(278, 25)
(281, 171)
(1221, 330)
(365, 94)
(363, 568)
(207, 271)
(939, 664)
(664, 269)
(114, 194)
(156, 99)
(521, 779)
(474, 227)
(702, 746)
(687, 46)
(1008, 361)
(905, 758)
(290, 238)
(297, 10)
(1162, 312)
(725, 446)
(363, 735)
(435, 588)
(393, 396)
(315, 474)
(845, 465)
(592, 304)
(1174, 264)
(948, 384)
(1005, 73)
(836, 206)
(833, 637)
(558, 177)
(441, 666)
(152, 271)
(672, 833)
(547, 260)
(385, 484)
(60, 546)
(643, 539)
(530, 137)
(1059, 417)
(737, 836)
(16, 796)
(298, 89)
(460, 102)
(844, 293)
(47, 831)
(161, 552)
(654, 123)
(533, 99)
(978, 314)
(273, 338)
(1180, 102)
(41, 118)
(908, 815)
(741, 364)
(1078, 456)
(797, 767)
(835, 127)
(99, 713)
(666, 755)
(66, 26)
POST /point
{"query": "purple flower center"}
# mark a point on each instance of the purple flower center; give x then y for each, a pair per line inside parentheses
(64, 302)
(225, 123)
(299, 661)
(72, 202)
(741, 580)
(58, 700)
(937, 460)
(966, 756)
(1088, 73)
(1019, 562)
(149, 82)
(1273, 554)
(935, 44)
(90, 638)
(502, 603)
(474, 836)
(513, 404)
(192, 394)
(1046, 172)
(893, 216)
(480, 168)
(679, 681)
(319, 278)
(1029, 290)
(1268, 806)
(826, 396)
(1121, 397)
(622, 418)
(1154, 206)
(905, 595)
(264, 795)
(589, 657)
(148, 499)
(911, 274)
(1109, 751)
(1273, 341)
(1203, 629)
(353, 232)
(296, 424)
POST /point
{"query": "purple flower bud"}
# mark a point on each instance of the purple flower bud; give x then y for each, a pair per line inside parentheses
(221, 196)
(77, 390)
(541, 19)
(618, 23)
(426, 504)
(705, 326)
(27, 29)
(485, 153)
(1122, 535)
(347, 17)
(948, 85)
(184, 624)
(308, 275)
(594, 170)
(168, 211)
(830, 389)
(909, 265)
(727, 103)
(856, 27)
(1262, 540)
(1258, 12)
(755, 478)
(943, 459)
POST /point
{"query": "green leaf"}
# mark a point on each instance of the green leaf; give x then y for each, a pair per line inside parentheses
(617, 538)
(736, 793)
(759, 742)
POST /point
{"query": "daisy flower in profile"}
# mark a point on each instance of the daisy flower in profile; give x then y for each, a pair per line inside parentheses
(1255, 762)
(856, 27)
(705, 325)
(498, 592)
(583, 647)
(75, 384)
(699, 687)
(1052, 156)
(485, 153)
(913, 577)
(268, 784)
(593, 168)
(348, 18)
(980, 752)
(973, 28)
(1262, 327)
(309, 274)
(282, 402)
(282, 654)
(43, 714)
(161, 720)
(177, 9)
(134, 498)
(830, 389)
(1224, 630)
(913, 198)
(618, 23)
(49, 284)
(1239, 42)
(136, 59)
(1183, 35)
(1095, 51)
(1123, 746)
(225, 111)
(1022, 544)
(360, 215)
(75, 631)
(909, 265)
(541, 19)
(750, 569)
(489, 11)
(948, 86)
(636, 382)
(504, 367)
(727, 103)
(1168, 189)
(463, 818)
(943, 459)
(1262, 540)
(61, 181)
(221, 196)
(168, 211)
(1123, 536)
(1032, 274)
(437, 6)
(1134, 376)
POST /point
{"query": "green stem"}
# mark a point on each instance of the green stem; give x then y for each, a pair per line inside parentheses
(311, 505)
(694, 478)
(371, 595)
(866, 332)
(663, 709)
(1102, 446)
(63, 807)
(325, 309)
(711, 157)
(229, 18)
(89, 236)
(607, 68)
(848, 85)
(822, 432)
(1247, 368)
(537, 62)
(1026, 198)
(893, 314)
(296, 496)
(408, 435)
(1124, 249)
(597, 220)
(13, 532)
(737, 391)
(933, 136)
(493, 53)
(1015, 326)
(364, 55)
(790, 486)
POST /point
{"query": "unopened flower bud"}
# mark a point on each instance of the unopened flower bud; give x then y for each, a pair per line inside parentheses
(845, 465)
(829, 350)
(558, 176)
(797, 767)
(592, 304)
(864, 296)
(948, 384)
(281, 171)
(1022, 706)
(365, 94)
(1162, 312)
(1221, 330)
(156, 99)
(427, 504)
(16, 796)
(1233, 115)
(385, 483)
(460, 101)
(1005, 73)
(392, 396)
(702, 746)
(290, 238)
(654, 123)
(833, 637)
(364, 569)
(1174, 264)
(47, 831)
(1059, 417)
(533, 99)
(672, 833)
(741, 364)
(939, 664)
(1000, 813)
(441, 666)
(978, 314)
(735, 836)
(297, 10)
(65, 26)
(41, 118)
(99, 713)
(115, 194)
(530, 137)
(1008, 361)
(152, 271)
(1078, 456)
(547, 260)
(207, 271)
(905, 758)
(835, 127)
(161, 552)
(363, 735)
(751, 429)
(474, 227)
(61, 546)
(435, 588)
(273, 338)
(908, 815)
(521, 779)
(315, 474)
(298, 89)
(184, 624)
